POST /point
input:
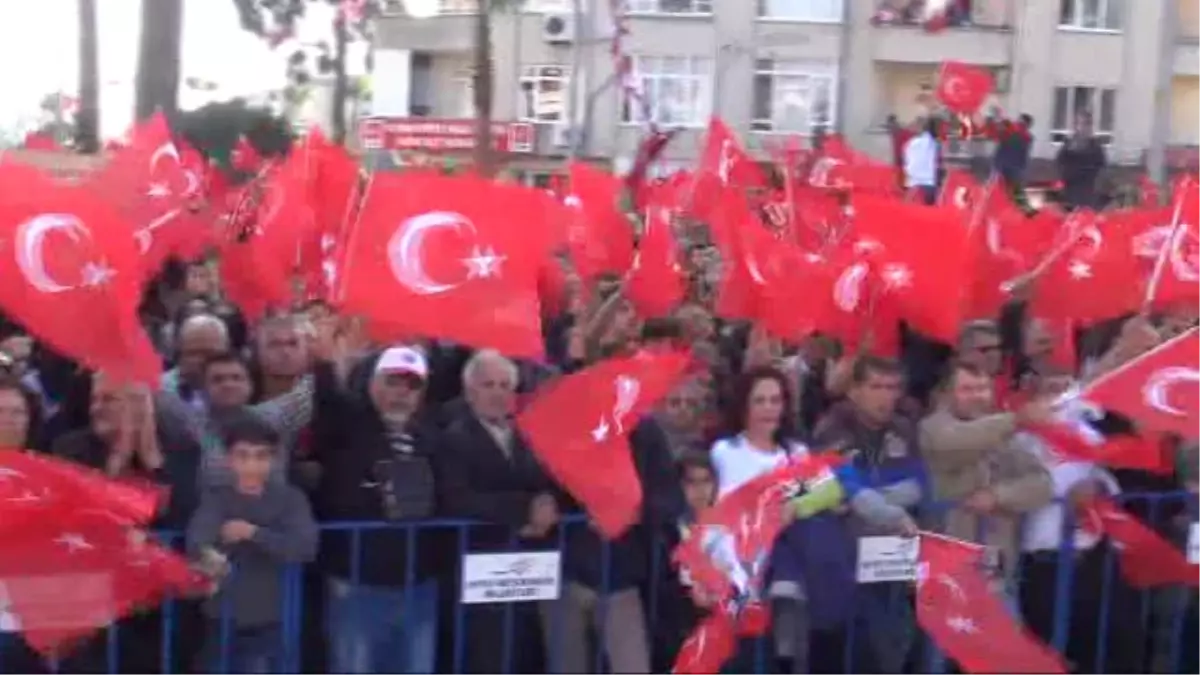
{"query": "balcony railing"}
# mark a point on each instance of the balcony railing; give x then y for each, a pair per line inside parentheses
(959, 13)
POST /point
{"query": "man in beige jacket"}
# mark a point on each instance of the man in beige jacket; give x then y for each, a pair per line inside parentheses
(972, 462)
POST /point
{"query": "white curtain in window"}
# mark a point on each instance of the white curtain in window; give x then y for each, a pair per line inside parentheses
(803, 10)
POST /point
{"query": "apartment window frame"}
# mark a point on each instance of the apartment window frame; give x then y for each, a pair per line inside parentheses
(652, 74)
(1110, 14)
(458, 7)
(834, 17)
(464, 88)
(536, 75)
(1065, 108)
(811, 73)
(698, 8)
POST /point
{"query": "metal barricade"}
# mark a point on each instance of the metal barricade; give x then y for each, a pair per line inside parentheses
(171, 638)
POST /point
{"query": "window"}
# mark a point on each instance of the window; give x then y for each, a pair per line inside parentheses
(677, 91)
(458, 6)
(461, 101)
(1091, 14)
(795, 96)
(1070, 102)
(801, 10)
(545, 6)
(543, 95)
(669, 6)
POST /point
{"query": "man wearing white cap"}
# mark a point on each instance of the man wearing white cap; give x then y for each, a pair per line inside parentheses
(376, 461)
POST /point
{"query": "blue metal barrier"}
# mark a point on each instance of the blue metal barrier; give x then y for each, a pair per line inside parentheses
(175, 632)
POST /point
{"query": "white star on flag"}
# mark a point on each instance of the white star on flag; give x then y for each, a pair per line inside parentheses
(74, 542)
(961, 624)
(96, 274)
(158, 191)
(483, 263)
(897, 276)
(600, 433)
(1080, 270)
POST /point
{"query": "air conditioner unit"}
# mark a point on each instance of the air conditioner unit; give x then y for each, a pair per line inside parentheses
(561, 135)
(558, 28)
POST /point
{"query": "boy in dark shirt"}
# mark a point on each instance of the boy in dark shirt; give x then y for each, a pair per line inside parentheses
(245, 534)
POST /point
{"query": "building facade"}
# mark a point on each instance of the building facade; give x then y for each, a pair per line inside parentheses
(771, 68)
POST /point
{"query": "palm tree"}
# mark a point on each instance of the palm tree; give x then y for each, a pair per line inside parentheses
(87, 114)
(159, 58)
(482, 83)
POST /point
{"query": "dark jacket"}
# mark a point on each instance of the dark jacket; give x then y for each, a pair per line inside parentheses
(628, 557)
(1079, 167)
(352, 446)
(252, 595)
(480, 482)
(179, 472)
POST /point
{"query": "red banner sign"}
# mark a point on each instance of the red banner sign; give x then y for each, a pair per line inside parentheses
(431, 134)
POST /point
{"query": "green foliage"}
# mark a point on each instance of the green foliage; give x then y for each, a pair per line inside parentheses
(215, 128)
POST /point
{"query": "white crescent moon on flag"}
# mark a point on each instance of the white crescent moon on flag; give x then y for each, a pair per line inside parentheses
(1183, 268)
(755, 271)
(819, 176)
(960, 197)
(953, 88)
(1157, 389)
(406, 249)
(30, 244)
(167, 149)
(847, 290)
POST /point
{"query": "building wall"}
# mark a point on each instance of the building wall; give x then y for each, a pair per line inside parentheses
(883, 69)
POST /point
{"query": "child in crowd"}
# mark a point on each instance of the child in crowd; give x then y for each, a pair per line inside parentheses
(677, 611)
(244, 535)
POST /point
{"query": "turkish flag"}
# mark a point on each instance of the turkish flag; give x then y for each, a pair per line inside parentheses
(73, 263)
(928, 284)
(962, 87)
(601, 238)
(33, 486)
(150, 186)
(1093, 278)
(723, 557)
(1147, 560)
(724, 165)
(579, 429)
(70, 563)
(656, 283)
(79, 572)
(958, 610)
(1159, 390)
(456, 258)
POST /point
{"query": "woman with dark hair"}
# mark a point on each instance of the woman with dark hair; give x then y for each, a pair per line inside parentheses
(811, 576)
(20, 416)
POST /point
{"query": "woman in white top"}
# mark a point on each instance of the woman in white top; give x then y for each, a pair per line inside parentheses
(766, 438)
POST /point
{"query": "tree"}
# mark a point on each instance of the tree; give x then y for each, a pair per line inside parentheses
(276, 21)
(214, 130)
(483, 82)
(159, 57)
(87, 114)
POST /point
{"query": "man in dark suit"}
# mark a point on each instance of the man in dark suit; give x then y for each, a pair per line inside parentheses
(486, 472)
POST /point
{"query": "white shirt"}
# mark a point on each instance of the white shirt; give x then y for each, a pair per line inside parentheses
(737, 462)
(1043, 527)
(920, 161)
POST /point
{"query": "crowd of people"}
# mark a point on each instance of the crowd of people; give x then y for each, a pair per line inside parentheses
(296, 443)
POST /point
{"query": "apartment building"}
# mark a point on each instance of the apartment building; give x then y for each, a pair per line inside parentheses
(779, 67)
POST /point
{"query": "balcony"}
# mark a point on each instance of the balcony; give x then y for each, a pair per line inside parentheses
(976, 31)
(450, 30)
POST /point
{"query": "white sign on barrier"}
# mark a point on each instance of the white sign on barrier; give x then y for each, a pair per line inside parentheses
(887, 559)
(1193, 544)
(510, 577)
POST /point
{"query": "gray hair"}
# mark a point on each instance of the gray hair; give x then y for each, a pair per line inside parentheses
(204, 321)
(488, 357)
